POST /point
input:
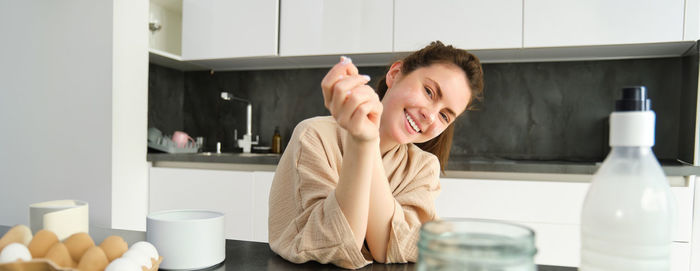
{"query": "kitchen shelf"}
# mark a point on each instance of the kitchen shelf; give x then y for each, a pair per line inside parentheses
(172, 61)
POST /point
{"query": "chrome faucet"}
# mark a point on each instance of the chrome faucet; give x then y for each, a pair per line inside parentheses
(247, 141)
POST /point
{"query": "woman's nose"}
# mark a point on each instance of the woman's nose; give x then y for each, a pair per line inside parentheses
(428, 115)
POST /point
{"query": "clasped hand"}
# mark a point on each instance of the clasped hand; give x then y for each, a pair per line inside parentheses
(353, 104)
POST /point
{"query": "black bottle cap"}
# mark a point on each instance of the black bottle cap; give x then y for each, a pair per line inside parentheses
(633, 99)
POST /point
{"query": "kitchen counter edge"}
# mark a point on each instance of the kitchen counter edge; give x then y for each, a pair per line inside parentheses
(456, 168)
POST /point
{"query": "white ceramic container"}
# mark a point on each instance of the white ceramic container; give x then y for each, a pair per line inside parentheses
(63, 217)
(187, 239)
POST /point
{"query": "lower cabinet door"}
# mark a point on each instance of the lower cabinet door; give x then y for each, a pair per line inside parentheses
(229, 192)
(261, 205)
(552, 209)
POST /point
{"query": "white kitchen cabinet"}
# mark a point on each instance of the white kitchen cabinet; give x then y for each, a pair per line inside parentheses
(273, 34)
(331, 27)
(165, 43)
(220, 29)
(550, 208)
(165, 16)
(261, 196)
(229, 192)
(241, 195)
(691, 29)
(470, 24)
(601, 22)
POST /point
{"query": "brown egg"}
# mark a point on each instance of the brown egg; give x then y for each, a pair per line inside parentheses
(114, 247)
(17, 234)
(77, 244)
(41, 243)
(94, 259)
(58, 254)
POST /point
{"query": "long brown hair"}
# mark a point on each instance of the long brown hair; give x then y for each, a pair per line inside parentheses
(436, 53)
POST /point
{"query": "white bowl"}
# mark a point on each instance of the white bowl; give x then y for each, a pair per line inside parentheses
(187, 239)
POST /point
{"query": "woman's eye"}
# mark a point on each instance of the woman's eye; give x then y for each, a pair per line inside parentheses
(444, 116)
(430, 93)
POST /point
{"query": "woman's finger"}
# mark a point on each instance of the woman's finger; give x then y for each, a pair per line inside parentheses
(356, 97)
(359, 125)
(363, 123)
(340, 70)
(338, 73)
(343, 88)
(361, 112)
(373, 109)
(375, 113)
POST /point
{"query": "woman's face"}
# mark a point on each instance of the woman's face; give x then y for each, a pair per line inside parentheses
(419, 105)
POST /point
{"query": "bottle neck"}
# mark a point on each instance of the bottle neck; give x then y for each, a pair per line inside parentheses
(633, 128)
(631, 151)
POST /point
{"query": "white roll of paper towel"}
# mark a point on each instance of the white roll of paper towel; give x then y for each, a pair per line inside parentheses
(62, 217)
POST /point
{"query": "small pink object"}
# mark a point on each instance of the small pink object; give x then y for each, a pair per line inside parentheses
(182, 139)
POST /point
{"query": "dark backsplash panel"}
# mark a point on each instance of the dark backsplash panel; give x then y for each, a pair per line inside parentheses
(549, 111)
(166, 96)
(280, 98)
(559, 110)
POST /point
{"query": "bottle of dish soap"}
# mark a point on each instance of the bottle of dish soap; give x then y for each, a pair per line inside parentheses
(276, 141)
(629, 212)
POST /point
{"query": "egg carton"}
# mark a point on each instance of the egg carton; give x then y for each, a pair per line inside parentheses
(33, 265)
(21, 236)
(48, 265)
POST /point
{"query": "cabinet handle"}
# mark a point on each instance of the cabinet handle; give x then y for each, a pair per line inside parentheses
(154, 25)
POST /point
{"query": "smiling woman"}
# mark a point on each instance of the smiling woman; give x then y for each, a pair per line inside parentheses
(438, 63)
(353, 187)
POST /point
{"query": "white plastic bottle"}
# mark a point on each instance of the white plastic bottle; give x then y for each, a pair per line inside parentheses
(629, 212)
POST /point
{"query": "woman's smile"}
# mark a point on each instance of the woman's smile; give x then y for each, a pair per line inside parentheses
(411, 125)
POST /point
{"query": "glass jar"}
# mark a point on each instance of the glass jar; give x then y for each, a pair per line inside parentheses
(475, 244)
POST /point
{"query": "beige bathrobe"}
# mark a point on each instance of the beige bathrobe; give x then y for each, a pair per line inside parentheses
(305, 221)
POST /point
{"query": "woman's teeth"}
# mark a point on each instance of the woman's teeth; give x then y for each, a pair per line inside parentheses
(412, 123)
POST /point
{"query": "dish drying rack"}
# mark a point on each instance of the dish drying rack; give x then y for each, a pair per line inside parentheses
(163, 143)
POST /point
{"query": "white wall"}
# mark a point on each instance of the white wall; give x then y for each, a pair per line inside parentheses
(73, 101)
(130, 115)
(55, 105)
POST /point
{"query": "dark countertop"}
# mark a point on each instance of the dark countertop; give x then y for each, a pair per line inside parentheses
(456, 163)
(244, 255)
(212, 157)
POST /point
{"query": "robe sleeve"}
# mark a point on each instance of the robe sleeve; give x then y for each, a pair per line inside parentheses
(413, 206)
(320, 231)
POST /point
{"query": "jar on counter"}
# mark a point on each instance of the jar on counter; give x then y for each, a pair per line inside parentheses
(475, 244)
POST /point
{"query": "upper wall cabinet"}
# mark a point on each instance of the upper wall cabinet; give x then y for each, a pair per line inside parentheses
(276, 34)
(601, 22)
(470, 24)
(329, 27)
(216, 29)
(692, 20)
(165, 25)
